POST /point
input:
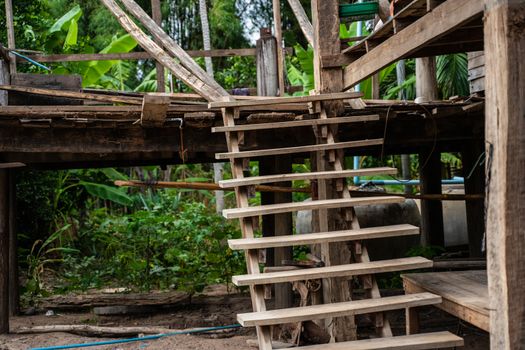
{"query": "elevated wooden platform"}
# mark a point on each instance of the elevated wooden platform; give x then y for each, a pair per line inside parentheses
(464, 293)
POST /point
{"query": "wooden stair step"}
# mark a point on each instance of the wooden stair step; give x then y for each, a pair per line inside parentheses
(336, 174)
(297, 123)
(347, 270)
(312, 205)
(299, 149)
(436, 340)
(349, 308)
(324, 237)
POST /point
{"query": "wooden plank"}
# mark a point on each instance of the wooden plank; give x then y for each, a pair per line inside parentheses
(74, 94)
(304, 22)
(298, 123)
(442, 20)
(464, 296)
(133, 56)
(211, 93)
(505, 147)
(297, 206)
(172, 47)
(346, 270)
(154, 110)
(356, 307)
(438, 340)
(298, 149)
(280, 100)
(14, 285)
(255, 180)
(332, 236)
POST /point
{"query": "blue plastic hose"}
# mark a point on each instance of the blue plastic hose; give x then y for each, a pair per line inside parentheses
(131, 340)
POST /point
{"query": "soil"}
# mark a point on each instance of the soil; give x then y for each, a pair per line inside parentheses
(215, 308)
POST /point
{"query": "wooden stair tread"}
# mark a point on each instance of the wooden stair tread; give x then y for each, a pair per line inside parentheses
(296, 123)
(347, 270)
(299, 149)
(406, 342)
(324, 237)
(319, 204)
(356, 307)
(336, 174)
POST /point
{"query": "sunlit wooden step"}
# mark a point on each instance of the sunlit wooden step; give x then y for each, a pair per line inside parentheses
(437, 340)
(299, 149)
(356, 307)
(336, 174)
(366, 268)
(312, 205)
(324, 237)
(297, 123)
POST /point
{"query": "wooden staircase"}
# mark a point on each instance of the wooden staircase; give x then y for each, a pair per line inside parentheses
(362, 268)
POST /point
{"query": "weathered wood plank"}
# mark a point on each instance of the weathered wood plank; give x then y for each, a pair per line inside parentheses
(4, 251)
(436, 340)
(304, 22)
(313, 205)
(298, 149)
(355, 307)
(442, 20)
(279, 100)
(194, 82)
(154, 110)
(297, 123)
(346, 270)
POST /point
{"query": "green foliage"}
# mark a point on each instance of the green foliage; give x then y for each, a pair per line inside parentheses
(176, 245)
(238, 72)
(452, 75)
(301, 69)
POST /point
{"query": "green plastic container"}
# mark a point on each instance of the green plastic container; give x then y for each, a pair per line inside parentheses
(359, 11)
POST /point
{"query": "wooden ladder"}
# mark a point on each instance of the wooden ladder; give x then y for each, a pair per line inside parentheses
(363, 268)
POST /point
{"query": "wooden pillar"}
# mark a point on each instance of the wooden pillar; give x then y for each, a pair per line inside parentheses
(505, 146)
(10, 32)
(156, 12)
(4, 251)
(281, 224)
(278, 33)
(14, 289)
(432, 232)
(426, 82)
(325, 21)
(474, 175)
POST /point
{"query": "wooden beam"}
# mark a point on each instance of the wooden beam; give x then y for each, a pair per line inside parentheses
(14, 287)
(278, 33)
(267, 64)
(156, 13)
(4, 251)
(74, 95)
(201, 87)
(280, 100)
(11, 43)
(173, 48)
(505, 146)
(304, 22)
(431, 210)
(442, 20)
(154, 110)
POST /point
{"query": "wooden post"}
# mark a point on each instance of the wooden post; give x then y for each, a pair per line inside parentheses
(325, 21)
(278, 33)
(14, 291)
(10, 32)
(157, 17)
(426, 82)
(429, 161)
(267, 64)
(281, 224)
(4, 251)
(505, 146)
(432, 232)
(474, 184)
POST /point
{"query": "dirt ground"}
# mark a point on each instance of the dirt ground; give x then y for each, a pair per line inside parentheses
(212, 309)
